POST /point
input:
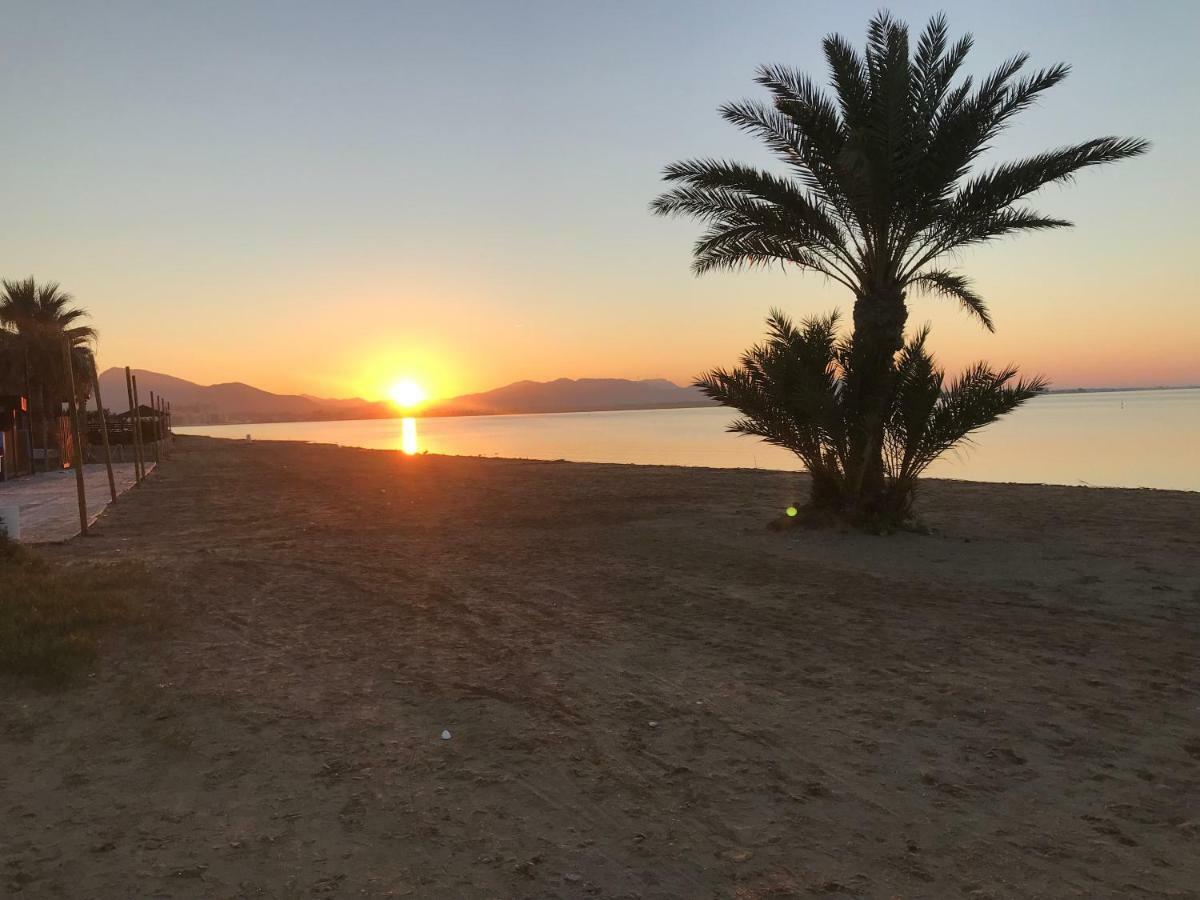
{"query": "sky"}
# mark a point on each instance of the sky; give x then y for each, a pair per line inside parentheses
(327, 197)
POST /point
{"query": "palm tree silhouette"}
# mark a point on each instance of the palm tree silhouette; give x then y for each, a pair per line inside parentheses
(878, 192)
(39, 317)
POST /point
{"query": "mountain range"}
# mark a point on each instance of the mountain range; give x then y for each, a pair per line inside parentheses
(573, 395)
(235, 402)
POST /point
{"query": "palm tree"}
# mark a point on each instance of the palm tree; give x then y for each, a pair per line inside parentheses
(792, 391)
(879, 191)
(12, 369)
(39, 317)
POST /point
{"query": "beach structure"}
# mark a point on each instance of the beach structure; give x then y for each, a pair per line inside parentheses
(15, 456)
(53, 444)
(147, 418)
(129, 435)
(50, 506)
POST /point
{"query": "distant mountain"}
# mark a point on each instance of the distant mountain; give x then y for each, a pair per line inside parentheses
(572, 395)
(198, 404)
(234, 402)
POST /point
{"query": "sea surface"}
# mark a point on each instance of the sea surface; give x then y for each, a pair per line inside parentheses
(1115, 439)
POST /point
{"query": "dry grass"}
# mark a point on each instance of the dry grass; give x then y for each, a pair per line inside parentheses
(53, 618)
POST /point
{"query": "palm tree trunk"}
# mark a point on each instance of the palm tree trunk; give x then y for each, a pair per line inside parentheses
(879, 319)
(49, 426)
(34, 420)
(45, 434)
(35, 426)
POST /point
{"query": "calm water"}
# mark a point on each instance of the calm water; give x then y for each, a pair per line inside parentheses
(1126, 439)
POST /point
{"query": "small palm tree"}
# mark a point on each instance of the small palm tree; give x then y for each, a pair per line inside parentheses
(40, 317)
(793, 392)
(878, 193)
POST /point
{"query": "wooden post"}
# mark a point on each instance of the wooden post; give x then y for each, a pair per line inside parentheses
(157, 404)
(73, 409)
(162, 427)
(153, 421)
(165, 425)
(138, 474)
(133, 436)
(141, 435)
(159, 449)
(112, 482)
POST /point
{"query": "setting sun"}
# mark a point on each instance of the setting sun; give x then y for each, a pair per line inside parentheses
(406, 394)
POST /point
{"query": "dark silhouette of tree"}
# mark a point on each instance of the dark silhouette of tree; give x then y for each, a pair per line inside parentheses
(38, 318)
(879, 190)
(793, 392)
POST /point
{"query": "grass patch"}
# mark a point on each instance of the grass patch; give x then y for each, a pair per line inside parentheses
(52, 618)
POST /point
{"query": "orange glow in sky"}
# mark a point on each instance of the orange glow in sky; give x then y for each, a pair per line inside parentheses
(286, 243)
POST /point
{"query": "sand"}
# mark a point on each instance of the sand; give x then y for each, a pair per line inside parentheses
(648, 693)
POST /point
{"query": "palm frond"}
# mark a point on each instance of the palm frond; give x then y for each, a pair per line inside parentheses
(799, 210)
(848, 74)
(962, 231)
(958, 287)
(787, 390)
(928, 419)
(1003, 185)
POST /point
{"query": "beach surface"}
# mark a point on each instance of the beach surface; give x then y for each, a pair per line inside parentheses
(648, 694)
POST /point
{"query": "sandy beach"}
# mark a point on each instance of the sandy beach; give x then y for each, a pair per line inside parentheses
(648, 693)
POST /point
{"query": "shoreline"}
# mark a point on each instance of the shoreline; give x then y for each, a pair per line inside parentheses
(620, 409)
(566, 412)
(681, 466)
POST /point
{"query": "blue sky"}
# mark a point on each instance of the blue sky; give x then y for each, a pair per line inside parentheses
(321, 197)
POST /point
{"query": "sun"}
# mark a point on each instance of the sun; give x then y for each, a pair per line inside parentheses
(406, 393)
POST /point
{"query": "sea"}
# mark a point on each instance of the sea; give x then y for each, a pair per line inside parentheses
(1132, 439)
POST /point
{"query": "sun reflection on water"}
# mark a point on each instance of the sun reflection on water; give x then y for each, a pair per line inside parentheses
(408, 435)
